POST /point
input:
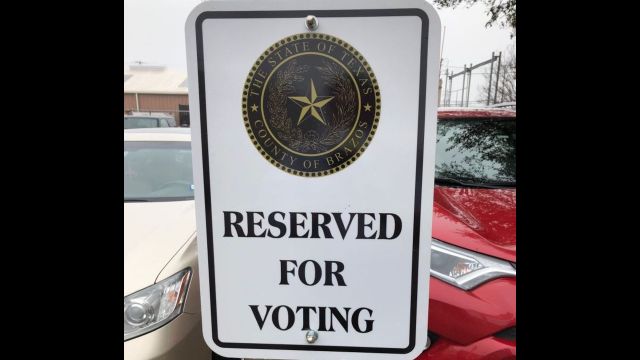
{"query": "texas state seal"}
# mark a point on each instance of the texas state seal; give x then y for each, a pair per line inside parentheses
(311, 104)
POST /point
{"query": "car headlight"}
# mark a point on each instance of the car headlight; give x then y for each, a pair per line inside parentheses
(466, 269)
(152, 307)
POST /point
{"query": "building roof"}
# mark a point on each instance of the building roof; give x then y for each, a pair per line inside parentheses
(147, 79)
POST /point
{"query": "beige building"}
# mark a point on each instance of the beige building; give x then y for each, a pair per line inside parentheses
(150, 88)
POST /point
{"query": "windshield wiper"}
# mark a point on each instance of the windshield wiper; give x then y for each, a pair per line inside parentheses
(136, 200)
(451, 181)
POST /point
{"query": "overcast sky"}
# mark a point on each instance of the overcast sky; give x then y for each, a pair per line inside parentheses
(154, 33)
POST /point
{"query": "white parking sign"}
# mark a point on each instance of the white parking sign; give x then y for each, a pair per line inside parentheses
(313, 134)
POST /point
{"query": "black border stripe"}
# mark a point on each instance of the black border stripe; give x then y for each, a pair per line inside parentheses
(418, 189)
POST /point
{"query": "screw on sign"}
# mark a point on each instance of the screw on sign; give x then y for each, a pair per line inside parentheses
(311, 22)
(311, 336)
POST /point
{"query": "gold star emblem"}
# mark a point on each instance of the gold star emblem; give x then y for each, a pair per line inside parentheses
(312, 104)
(254, 107)
(367, 107)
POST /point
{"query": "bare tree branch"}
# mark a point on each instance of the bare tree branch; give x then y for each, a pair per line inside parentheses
(501, 11)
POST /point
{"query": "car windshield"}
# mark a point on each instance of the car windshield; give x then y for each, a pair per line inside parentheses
(157, 171)
(476, 152)
(140, 122)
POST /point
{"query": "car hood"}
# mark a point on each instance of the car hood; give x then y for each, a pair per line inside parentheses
(153, 234)
(482, 220)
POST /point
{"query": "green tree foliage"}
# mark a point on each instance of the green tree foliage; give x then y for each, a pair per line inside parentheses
(501, 11)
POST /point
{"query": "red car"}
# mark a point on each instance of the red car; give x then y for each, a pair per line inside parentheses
(472, 308)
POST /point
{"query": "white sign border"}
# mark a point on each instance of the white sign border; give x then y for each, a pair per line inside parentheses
(427, 109)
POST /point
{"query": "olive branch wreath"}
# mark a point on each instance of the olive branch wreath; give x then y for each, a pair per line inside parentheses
(338, 125)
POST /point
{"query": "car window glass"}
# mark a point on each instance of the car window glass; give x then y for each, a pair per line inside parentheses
(157, 171)
(140, 122)
(477, 150)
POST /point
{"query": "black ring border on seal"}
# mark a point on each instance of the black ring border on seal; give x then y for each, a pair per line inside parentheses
(374, 123)
(419, 159)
